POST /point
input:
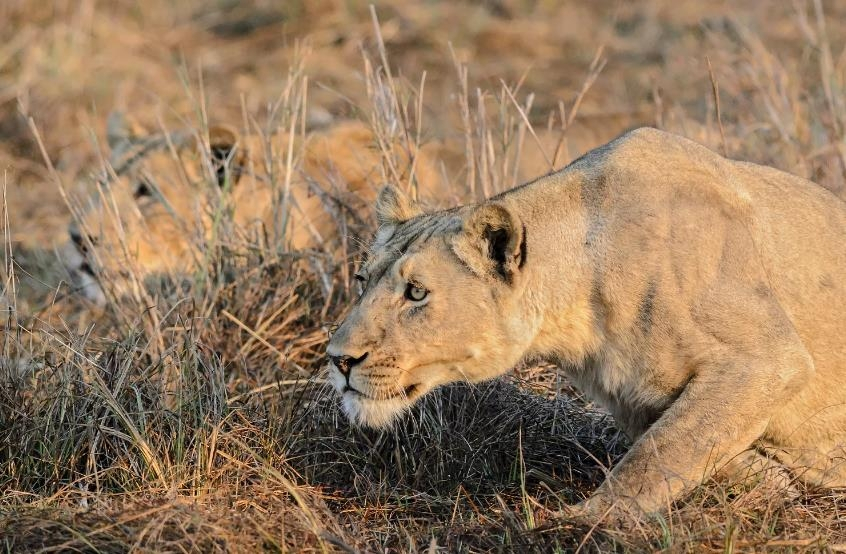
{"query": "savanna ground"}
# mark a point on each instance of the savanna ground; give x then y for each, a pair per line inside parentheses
(198, 420)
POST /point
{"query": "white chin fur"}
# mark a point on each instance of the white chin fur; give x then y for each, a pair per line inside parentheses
(90, 289)
(360, 410)
(376, 414)
(83, 282)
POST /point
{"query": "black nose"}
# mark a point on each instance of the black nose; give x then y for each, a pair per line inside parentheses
(346, 363)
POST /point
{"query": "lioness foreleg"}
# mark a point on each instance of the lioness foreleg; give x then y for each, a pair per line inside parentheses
(713, 420)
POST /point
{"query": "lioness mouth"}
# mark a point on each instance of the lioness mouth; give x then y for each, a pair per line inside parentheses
(407, 392)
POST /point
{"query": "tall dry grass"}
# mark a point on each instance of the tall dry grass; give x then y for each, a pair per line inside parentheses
(193, 415)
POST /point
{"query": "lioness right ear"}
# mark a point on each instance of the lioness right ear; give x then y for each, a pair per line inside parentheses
(493, 242)
(394, 207)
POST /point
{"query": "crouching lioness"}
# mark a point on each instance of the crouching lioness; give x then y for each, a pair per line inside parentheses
(701, 300)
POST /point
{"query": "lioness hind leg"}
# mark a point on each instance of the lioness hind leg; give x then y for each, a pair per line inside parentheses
(817, 466)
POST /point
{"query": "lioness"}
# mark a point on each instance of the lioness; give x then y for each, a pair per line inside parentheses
(166, 195)
(700, 300)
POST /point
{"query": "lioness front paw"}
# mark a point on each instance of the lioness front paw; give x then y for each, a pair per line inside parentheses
(587, 510)
(602, 509)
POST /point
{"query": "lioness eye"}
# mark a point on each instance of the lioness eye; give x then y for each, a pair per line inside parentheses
(359, 283)
(143, 189)
(415, 293)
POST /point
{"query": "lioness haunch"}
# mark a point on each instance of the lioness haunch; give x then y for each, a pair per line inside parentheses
(699, 299)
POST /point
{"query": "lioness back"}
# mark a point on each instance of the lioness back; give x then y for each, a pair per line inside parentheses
(696, 297)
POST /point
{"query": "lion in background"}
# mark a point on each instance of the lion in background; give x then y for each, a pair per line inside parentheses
(700, 300)
(165, 196)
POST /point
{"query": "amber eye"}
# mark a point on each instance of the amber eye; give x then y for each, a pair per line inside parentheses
(415, 293)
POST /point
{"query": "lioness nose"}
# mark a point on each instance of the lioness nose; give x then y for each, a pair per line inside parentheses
(346, 363)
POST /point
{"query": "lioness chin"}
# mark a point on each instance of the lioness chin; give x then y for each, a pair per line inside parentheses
(699, 299)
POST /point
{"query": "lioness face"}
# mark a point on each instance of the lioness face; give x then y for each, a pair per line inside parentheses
(149, 212)
(437, 305)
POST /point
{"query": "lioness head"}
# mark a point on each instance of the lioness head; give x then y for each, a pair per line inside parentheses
(165, 196)
(439, 296)
(149, 205)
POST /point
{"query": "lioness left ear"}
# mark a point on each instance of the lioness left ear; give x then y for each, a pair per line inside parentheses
(227, 156)
(493, 242)
(394, 207)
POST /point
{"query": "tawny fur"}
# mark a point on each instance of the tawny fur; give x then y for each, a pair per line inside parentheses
(700, 300)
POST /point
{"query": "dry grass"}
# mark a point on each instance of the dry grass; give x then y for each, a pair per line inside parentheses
(194, 417)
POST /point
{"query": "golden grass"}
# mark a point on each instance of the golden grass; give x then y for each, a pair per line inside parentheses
(194, 417)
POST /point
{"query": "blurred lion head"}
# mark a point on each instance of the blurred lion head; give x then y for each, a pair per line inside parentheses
(165, 197)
